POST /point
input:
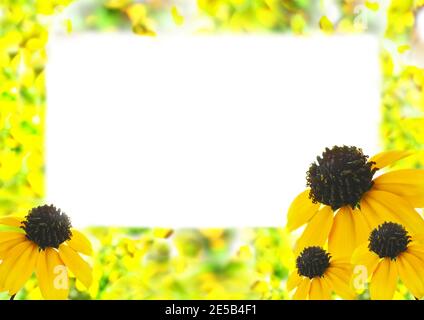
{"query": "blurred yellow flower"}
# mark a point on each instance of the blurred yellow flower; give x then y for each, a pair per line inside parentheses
(176, 16)
(326, 25)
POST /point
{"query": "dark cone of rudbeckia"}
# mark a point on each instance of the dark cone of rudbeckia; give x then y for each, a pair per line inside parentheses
(312, 262)
(340, 177)
(389, 240)
(47, 226)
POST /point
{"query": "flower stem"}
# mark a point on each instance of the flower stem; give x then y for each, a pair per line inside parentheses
(13, 297)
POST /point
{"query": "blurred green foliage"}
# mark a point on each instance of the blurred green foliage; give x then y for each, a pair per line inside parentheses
(184, 264)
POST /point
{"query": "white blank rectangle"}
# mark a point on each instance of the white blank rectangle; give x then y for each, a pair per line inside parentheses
(200, 131)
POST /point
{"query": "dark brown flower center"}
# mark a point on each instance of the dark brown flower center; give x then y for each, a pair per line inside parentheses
(47, 226)
(389, 240)
(312, 262)
(340, 177)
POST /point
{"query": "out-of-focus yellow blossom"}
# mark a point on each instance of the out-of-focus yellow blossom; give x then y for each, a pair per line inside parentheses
(326, 25)
(117, 4)
(404, 48)
(176, 16)
(142, 24)
(372, 5)
(68, 25)
(162, 232)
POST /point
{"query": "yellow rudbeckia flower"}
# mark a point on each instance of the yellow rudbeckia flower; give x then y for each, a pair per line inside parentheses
(46, 243)
(318, 275)
(391, 253)
(345, 201)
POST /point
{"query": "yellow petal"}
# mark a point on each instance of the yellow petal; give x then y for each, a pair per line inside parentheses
(362, 228)
(384, 280)
(341, 241)
(339, 280)
(317, 230)
(362, 256)
(380, 212)
(7, 266)
(410, 270)
(396, 209)
(301, 211)
(408, 184)
(417, 250)
(343, 263)
(22, 269)
(293, 281)
(383, 159)
(7, 236)
(49, 272)
(302, 290)
(80, 243)
(340, 271)
(326, 289)
(80, 268)
(328, 285)
(418, 237)
(8, 245)
(319, 290)
(404, 176)
(12, 221)
(373, 219)
(412, 193)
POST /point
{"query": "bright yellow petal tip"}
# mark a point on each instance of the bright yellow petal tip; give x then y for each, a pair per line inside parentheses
(80, 243)
(301, 211)
(52, 275)
(12, 221)
(78, 266)
(384, 280)
(386, 158)
(317, 231)
(362, 256)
